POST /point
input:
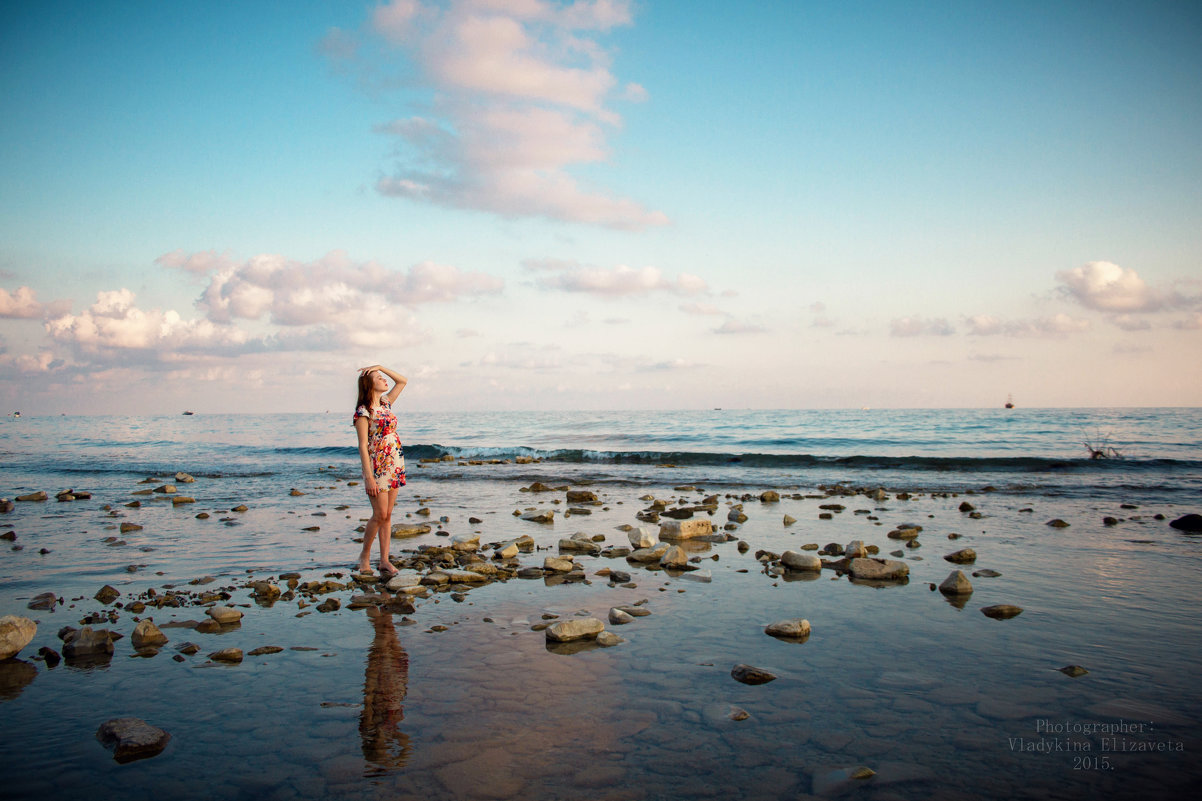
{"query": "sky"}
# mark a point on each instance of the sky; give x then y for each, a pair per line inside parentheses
(600, 204)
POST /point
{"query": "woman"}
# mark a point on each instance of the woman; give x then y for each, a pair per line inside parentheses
(381, 456)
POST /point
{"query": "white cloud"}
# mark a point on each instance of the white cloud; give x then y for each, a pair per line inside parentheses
(27, 363)
(115, 323)
(1192, 323)
(1057, 325)
(23, 304)
(917, 326)
(521, 97)
(332, 290)
(700, 308)
(1129, 322)
(618, 281)
(1104, 286)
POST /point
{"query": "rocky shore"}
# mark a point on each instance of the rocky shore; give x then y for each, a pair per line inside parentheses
(625, 555)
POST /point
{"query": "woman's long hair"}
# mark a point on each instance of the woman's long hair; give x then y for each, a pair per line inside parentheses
(365, 382)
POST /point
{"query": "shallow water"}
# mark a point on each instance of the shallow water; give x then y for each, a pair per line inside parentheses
(939, 701)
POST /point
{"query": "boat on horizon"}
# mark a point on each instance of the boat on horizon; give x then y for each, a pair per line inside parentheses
(1009, 401)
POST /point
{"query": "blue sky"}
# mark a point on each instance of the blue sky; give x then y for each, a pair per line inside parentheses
(531, 204)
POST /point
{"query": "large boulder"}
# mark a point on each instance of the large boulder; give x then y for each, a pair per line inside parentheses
(147, 635)
(956, 584)
(642, 537)
(224, 614)
(88, 642)
(15, 634)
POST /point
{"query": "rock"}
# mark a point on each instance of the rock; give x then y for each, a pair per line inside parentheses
(619, 617)
(558, 564)
(179, 500)
(800, 561)
(1001, 611)
(684, 529)
(6, 506)
(904, 533)
(147, 635)
(646, 555)
(224, 614)
(45, 601)
(538, 486)
(1057, 523)
(509, 550)
(465, 542)
(540, 516)
(619, 576)
(878, 569)
(132, 738)
(1109, 521)
(751, 675)
(790, 520)
(738, 713)
(107, 594)
(265, 590)
(128, 527)
(964, 556)
(263, 650)
(855, 549)
(295, 493)
(642, 537)
(232, 655)
(239, 508)
(702, 576)
(985, 573)
(582, 496)
(1073, 671)
(15, 633)
(770, 496)
(580, 628)
(674, 557)
(577, 545)
(184, 478)
(40, 495)
(607, 639)
(1190, 522)
(165, 489)
(88, 642)
(403, 530)
(794, 629)
(956, 584)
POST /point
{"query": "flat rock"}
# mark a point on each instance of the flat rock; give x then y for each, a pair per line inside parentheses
(15, 633)
(646, 555)
(44, 602)
(232, 655)
(751, 675)
(132, 738)
(1001, 611)
(404, 530)
(580, 628)
(539, 516)
(684, 529)
(878, 569)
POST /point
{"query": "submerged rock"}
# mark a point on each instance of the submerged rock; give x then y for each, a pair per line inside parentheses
(1001, 611)
(1073, 671)
(964, 556)
(224, 614)
(751, 675)
(132, 738)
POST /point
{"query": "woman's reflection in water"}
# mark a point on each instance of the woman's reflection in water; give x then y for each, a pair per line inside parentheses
(385, 746)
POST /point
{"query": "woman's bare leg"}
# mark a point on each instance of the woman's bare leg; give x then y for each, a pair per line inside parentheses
(373, 528)
(384, 530)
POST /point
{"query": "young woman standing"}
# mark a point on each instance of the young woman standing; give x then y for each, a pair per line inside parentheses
(381, 456)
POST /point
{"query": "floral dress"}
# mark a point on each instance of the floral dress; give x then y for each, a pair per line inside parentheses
(384, 445)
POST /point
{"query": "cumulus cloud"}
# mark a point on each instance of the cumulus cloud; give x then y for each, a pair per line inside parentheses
(23, 304)
(28, 363)
(115, 323)
(521, 97)
(617, 281)
(918, 326)
(331, 290)
(1105, 286)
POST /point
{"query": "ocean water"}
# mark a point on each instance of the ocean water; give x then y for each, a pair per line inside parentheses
(935, 698)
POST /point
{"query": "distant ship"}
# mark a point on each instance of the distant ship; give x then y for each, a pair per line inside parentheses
(1009, 401)
(16, 414)
(189, 412)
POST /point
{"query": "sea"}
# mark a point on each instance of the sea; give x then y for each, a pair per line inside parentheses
(899, 692)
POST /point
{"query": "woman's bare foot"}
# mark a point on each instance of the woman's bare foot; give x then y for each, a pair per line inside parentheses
(387, 568)
(364, 568)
